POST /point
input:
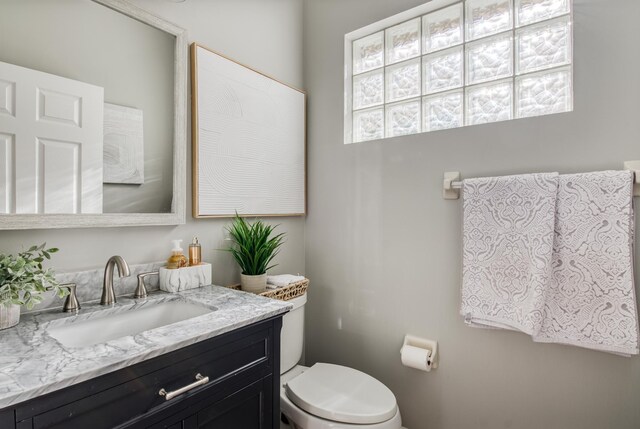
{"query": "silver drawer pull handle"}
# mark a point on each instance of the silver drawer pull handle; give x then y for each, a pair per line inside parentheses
(200, 380)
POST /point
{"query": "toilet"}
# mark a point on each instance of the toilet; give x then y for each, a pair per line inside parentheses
(326, 396)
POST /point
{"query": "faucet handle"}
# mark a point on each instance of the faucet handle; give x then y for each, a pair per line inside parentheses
(141, 290)
(71, 304)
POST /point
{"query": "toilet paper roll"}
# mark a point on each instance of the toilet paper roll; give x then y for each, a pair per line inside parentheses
(415, 357)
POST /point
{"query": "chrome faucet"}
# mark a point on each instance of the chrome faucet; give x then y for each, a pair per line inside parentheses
(108, 294)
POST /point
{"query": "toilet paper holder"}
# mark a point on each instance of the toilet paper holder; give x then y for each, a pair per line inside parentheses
(429, 345)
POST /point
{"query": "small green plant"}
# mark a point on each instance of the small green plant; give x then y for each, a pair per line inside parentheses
(23, 279)
(253, 246)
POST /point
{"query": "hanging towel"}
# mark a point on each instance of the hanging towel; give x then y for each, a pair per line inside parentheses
(507, 247)
(282, 280)
(591, 296)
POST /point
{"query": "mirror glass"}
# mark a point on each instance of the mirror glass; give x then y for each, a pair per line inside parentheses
(86, 110)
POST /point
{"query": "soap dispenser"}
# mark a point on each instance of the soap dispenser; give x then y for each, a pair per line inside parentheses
(195, 253)
(177, 258)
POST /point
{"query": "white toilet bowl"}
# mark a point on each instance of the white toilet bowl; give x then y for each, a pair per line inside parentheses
(350, 411)
(327, 396)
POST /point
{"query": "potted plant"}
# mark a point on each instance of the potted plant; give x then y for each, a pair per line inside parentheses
(23, 280)
(254, 248)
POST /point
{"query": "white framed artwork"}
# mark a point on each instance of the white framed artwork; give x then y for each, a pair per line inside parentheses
(248, 133)
(123, 145)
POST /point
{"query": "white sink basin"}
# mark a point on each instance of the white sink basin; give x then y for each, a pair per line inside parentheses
(102, 328)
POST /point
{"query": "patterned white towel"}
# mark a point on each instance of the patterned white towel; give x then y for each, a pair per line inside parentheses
(508, 240)
(591, 297)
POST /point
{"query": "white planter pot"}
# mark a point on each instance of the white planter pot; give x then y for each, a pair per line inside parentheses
(9, 316)
(253, 284)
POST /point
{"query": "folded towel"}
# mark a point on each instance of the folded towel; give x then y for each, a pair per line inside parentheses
(508, 240)
(591, 300)
(282, 280)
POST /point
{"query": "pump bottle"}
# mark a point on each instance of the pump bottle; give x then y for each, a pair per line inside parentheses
(177, 258)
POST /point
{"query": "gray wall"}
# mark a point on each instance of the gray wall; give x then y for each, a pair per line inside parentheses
(132, 61)
(383, 248)
(265, 35)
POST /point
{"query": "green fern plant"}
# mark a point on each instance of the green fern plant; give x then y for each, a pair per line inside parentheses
(23, 278)
(253, 246)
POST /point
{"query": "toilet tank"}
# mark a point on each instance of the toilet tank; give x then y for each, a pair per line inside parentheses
(292, 334)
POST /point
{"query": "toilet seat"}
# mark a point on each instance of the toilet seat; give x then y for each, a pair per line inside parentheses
(342, 394)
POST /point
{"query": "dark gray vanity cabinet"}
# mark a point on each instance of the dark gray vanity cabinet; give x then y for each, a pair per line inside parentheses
(242, 392)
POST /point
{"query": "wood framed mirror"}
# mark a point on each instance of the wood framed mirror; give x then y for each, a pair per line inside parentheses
(117, 64)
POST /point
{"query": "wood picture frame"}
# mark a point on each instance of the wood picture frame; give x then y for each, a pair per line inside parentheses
(248, 140)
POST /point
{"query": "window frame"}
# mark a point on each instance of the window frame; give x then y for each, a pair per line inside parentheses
(419, 12)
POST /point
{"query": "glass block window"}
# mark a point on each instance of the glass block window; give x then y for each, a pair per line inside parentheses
(451, 63)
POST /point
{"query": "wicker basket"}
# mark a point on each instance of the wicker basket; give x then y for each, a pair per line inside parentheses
(285, 293)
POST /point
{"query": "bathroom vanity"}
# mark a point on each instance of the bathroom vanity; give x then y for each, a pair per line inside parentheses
(217, 368)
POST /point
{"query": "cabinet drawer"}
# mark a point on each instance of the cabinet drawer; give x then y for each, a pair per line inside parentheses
(244, 409)
(141, 394)
(238, 404)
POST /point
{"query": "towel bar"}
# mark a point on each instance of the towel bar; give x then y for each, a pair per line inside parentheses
(452, 184)
(635, 167)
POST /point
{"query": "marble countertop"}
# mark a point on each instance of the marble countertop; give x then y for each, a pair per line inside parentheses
(33, 363)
